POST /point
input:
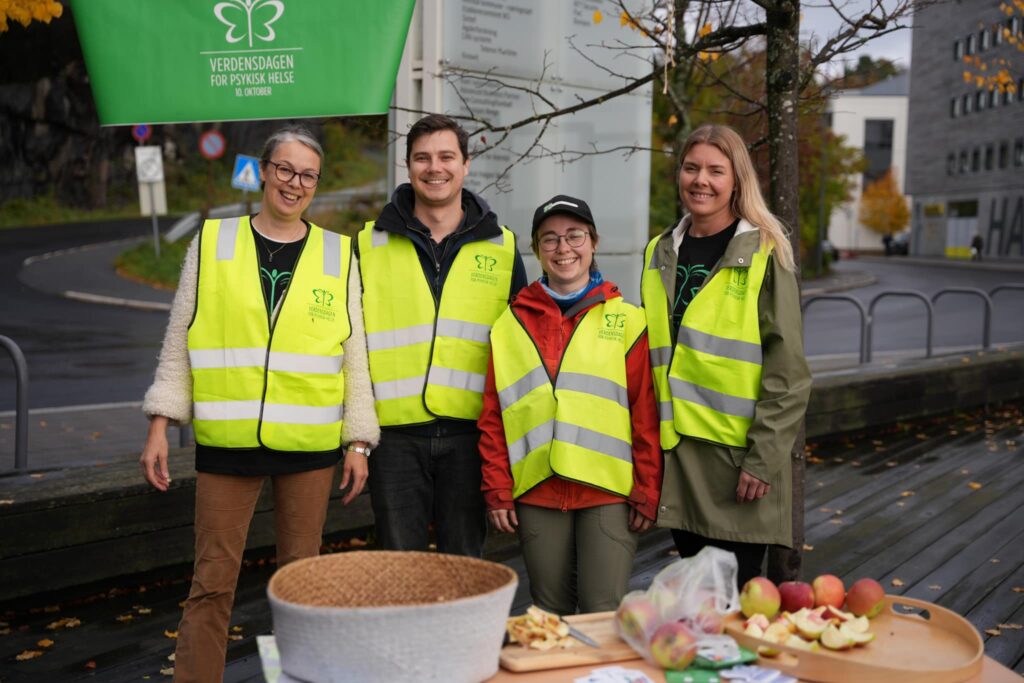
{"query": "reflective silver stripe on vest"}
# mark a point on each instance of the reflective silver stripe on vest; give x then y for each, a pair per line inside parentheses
(378, 238)
(332, 253)
(202, 359)
(460, 329)
(593, 386)
(533, 439)
(304, 362)
(214, 411)
(522, 386)
(665, 412)
(302, 415)
(709, 398)
(720, 346)
(403, 336)
(226, 239)
(594, 441)
(660, 355)
(398, 388)
(456, 379)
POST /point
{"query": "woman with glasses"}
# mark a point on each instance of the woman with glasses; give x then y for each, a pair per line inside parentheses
(569, 439)
(723, 314)
(265, 353)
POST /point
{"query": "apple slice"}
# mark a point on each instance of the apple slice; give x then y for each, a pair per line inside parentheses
(834, 639)
(759, 619)
(858, 625)
(754, 630)
(858, 637)
(810, 626)
(797, 643)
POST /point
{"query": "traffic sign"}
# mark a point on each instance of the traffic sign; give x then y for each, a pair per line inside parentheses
(141, 132)
(212, 144)
(149, 164)
(246, 175)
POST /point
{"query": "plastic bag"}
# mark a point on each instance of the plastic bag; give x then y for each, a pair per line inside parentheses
(698, 591)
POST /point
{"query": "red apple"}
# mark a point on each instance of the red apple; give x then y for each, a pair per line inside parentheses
(829, 590)
(866, 598)
(674, 646)
(636, 618)
(759, 595)
(796, 595)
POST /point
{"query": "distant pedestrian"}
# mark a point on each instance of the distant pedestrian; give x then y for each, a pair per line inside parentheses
(723, 317)
(265, 353)
(571, 460)
(977, 246)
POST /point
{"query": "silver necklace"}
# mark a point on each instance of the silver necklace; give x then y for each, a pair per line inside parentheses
(266, 245)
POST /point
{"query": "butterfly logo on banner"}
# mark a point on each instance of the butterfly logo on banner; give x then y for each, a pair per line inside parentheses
(251, 18)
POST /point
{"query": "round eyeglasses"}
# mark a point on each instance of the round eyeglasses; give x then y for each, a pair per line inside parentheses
(285, 173)
(574, 238)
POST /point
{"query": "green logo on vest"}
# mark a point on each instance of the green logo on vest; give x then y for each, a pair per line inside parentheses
(484, 268)
(614, 324)
(737, 287)
(323, 301)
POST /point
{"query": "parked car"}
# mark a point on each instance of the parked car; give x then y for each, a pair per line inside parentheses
(829, 251)
(898, 245)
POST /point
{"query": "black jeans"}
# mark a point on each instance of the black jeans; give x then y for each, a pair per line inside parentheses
(416, 480)
(749, 556)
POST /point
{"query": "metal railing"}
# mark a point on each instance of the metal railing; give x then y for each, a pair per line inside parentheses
(867, 315)
(21, 403)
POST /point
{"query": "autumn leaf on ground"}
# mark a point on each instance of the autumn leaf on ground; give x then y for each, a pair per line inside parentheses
(935, 587)
(855, 463)
(91, 664)
(45, 642)
(808, 548)
(906, 494)
(42, 423)
(66, 622)
(171, 634)
(993, 632)
(1018, 589)
(965, 471)
(169, 671)
(236, 629)
(6, 501)
(974, 485)
(234, 636)
(37, 475)
(170, 657)
(815, 459)
(901, 504)
(143, 610)
(1011, 627)
(891, 463)
(922, 437)
(835, 521)
(4, 631)
(994, 560)
(897, 582)
(125, 617)
(825, 510)
(28, 654)
(877, 442)
(837, 460)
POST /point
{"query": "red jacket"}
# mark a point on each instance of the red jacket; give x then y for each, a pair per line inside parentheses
(550, 330)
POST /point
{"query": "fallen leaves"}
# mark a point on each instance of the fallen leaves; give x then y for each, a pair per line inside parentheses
(66, 622)
(6, 501)
(45, 643)
(28, 654)
(815, 460)
(169, 671)
(974, 486)
(808, 548)
(897, 582)
(994, 632)
(91, 664)
(935, 587)
(124, 618)
(1018, 589)
(171, 634)
(1011, 627)
(906, 494)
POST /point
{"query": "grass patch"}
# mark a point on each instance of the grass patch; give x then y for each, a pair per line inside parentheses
(141, 264)
(47, 210)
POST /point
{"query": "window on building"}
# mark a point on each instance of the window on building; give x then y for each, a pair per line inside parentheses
(1013, 24)
(993, 98)
(1004, 154)
(990, 157)
(954, 107)
(969, 45)
(966, 103)
(976, 160)
(982, 40)
(877, 148)
(1018, 152)
(962, 167)
(979, 100)
(951, 164)
(1008, 96)
(1020, 90)
(958, 50)
(997, 35)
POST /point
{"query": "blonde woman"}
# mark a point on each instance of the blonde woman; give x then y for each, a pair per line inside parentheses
(723, 317)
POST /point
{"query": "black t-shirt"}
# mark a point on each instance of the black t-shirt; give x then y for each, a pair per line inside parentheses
(276, 264)
(697, 257)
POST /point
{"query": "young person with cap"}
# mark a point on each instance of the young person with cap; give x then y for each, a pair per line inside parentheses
(437, 271)
(569, 427)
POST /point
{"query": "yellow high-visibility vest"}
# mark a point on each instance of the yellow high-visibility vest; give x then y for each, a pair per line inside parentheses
(428, 358)
(254, 384)
(709, 381)
(577, 427)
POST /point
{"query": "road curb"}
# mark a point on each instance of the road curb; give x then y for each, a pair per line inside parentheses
(855, 281)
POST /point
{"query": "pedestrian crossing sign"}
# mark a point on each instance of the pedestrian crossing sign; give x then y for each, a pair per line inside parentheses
(246, 175)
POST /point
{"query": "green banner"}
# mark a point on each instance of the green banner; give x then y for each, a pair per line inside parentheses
(172, 61)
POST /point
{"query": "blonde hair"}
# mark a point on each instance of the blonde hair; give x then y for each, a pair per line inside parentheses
(747, 201)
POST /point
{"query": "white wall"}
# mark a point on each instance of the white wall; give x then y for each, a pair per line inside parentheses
(849, 111)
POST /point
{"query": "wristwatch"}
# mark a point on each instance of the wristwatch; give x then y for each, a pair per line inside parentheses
(365, 450)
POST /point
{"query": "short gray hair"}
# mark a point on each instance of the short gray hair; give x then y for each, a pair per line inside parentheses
(290, 134)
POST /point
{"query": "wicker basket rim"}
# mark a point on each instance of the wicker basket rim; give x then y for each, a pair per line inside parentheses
(510, 577)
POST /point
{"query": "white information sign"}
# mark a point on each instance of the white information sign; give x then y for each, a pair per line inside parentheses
(149, 164)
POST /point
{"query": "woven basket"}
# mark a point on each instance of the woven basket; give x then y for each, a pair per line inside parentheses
(391, 616)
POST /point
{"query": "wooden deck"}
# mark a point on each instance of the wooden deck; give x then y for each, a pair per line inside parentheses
(933, 509)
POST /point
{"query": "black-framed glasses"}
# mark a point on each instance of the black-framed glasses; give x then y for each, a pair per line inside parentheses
(574, 238)
(285, 173)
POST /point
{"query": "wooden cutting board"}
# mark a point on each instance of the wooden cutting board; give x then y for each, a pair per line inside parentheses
(598, 626)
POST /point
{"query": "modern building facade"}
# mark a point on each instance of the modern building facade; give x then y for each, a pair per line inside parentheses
(874, 120)
(965, 155)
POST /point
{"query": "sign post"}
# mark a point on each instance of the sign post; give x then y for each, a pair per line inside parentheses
(149, 168)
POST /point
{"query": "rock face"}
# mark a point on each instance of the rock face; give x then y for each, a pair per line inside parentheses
(51, 142)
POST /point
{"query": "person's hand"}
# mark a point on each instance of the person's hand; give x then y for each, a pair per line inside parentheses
(355, 471)
(503, 520)
(154, 454)
(750, 488)
(638, 522)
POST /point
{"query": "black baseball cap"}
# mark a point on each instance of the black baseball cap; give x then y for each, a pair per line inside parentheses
(562, 203)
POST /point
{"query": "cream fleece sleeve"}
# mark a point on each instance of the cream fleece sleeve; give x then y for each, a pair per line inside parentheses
(170, 394)
(360, 414)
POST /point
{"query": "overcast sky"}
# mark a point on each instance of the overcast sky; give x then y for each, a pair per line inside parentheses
(823, 22)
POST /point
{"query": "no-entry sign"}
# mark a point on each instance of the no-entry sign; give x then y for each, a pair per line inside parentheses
(212, 144)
